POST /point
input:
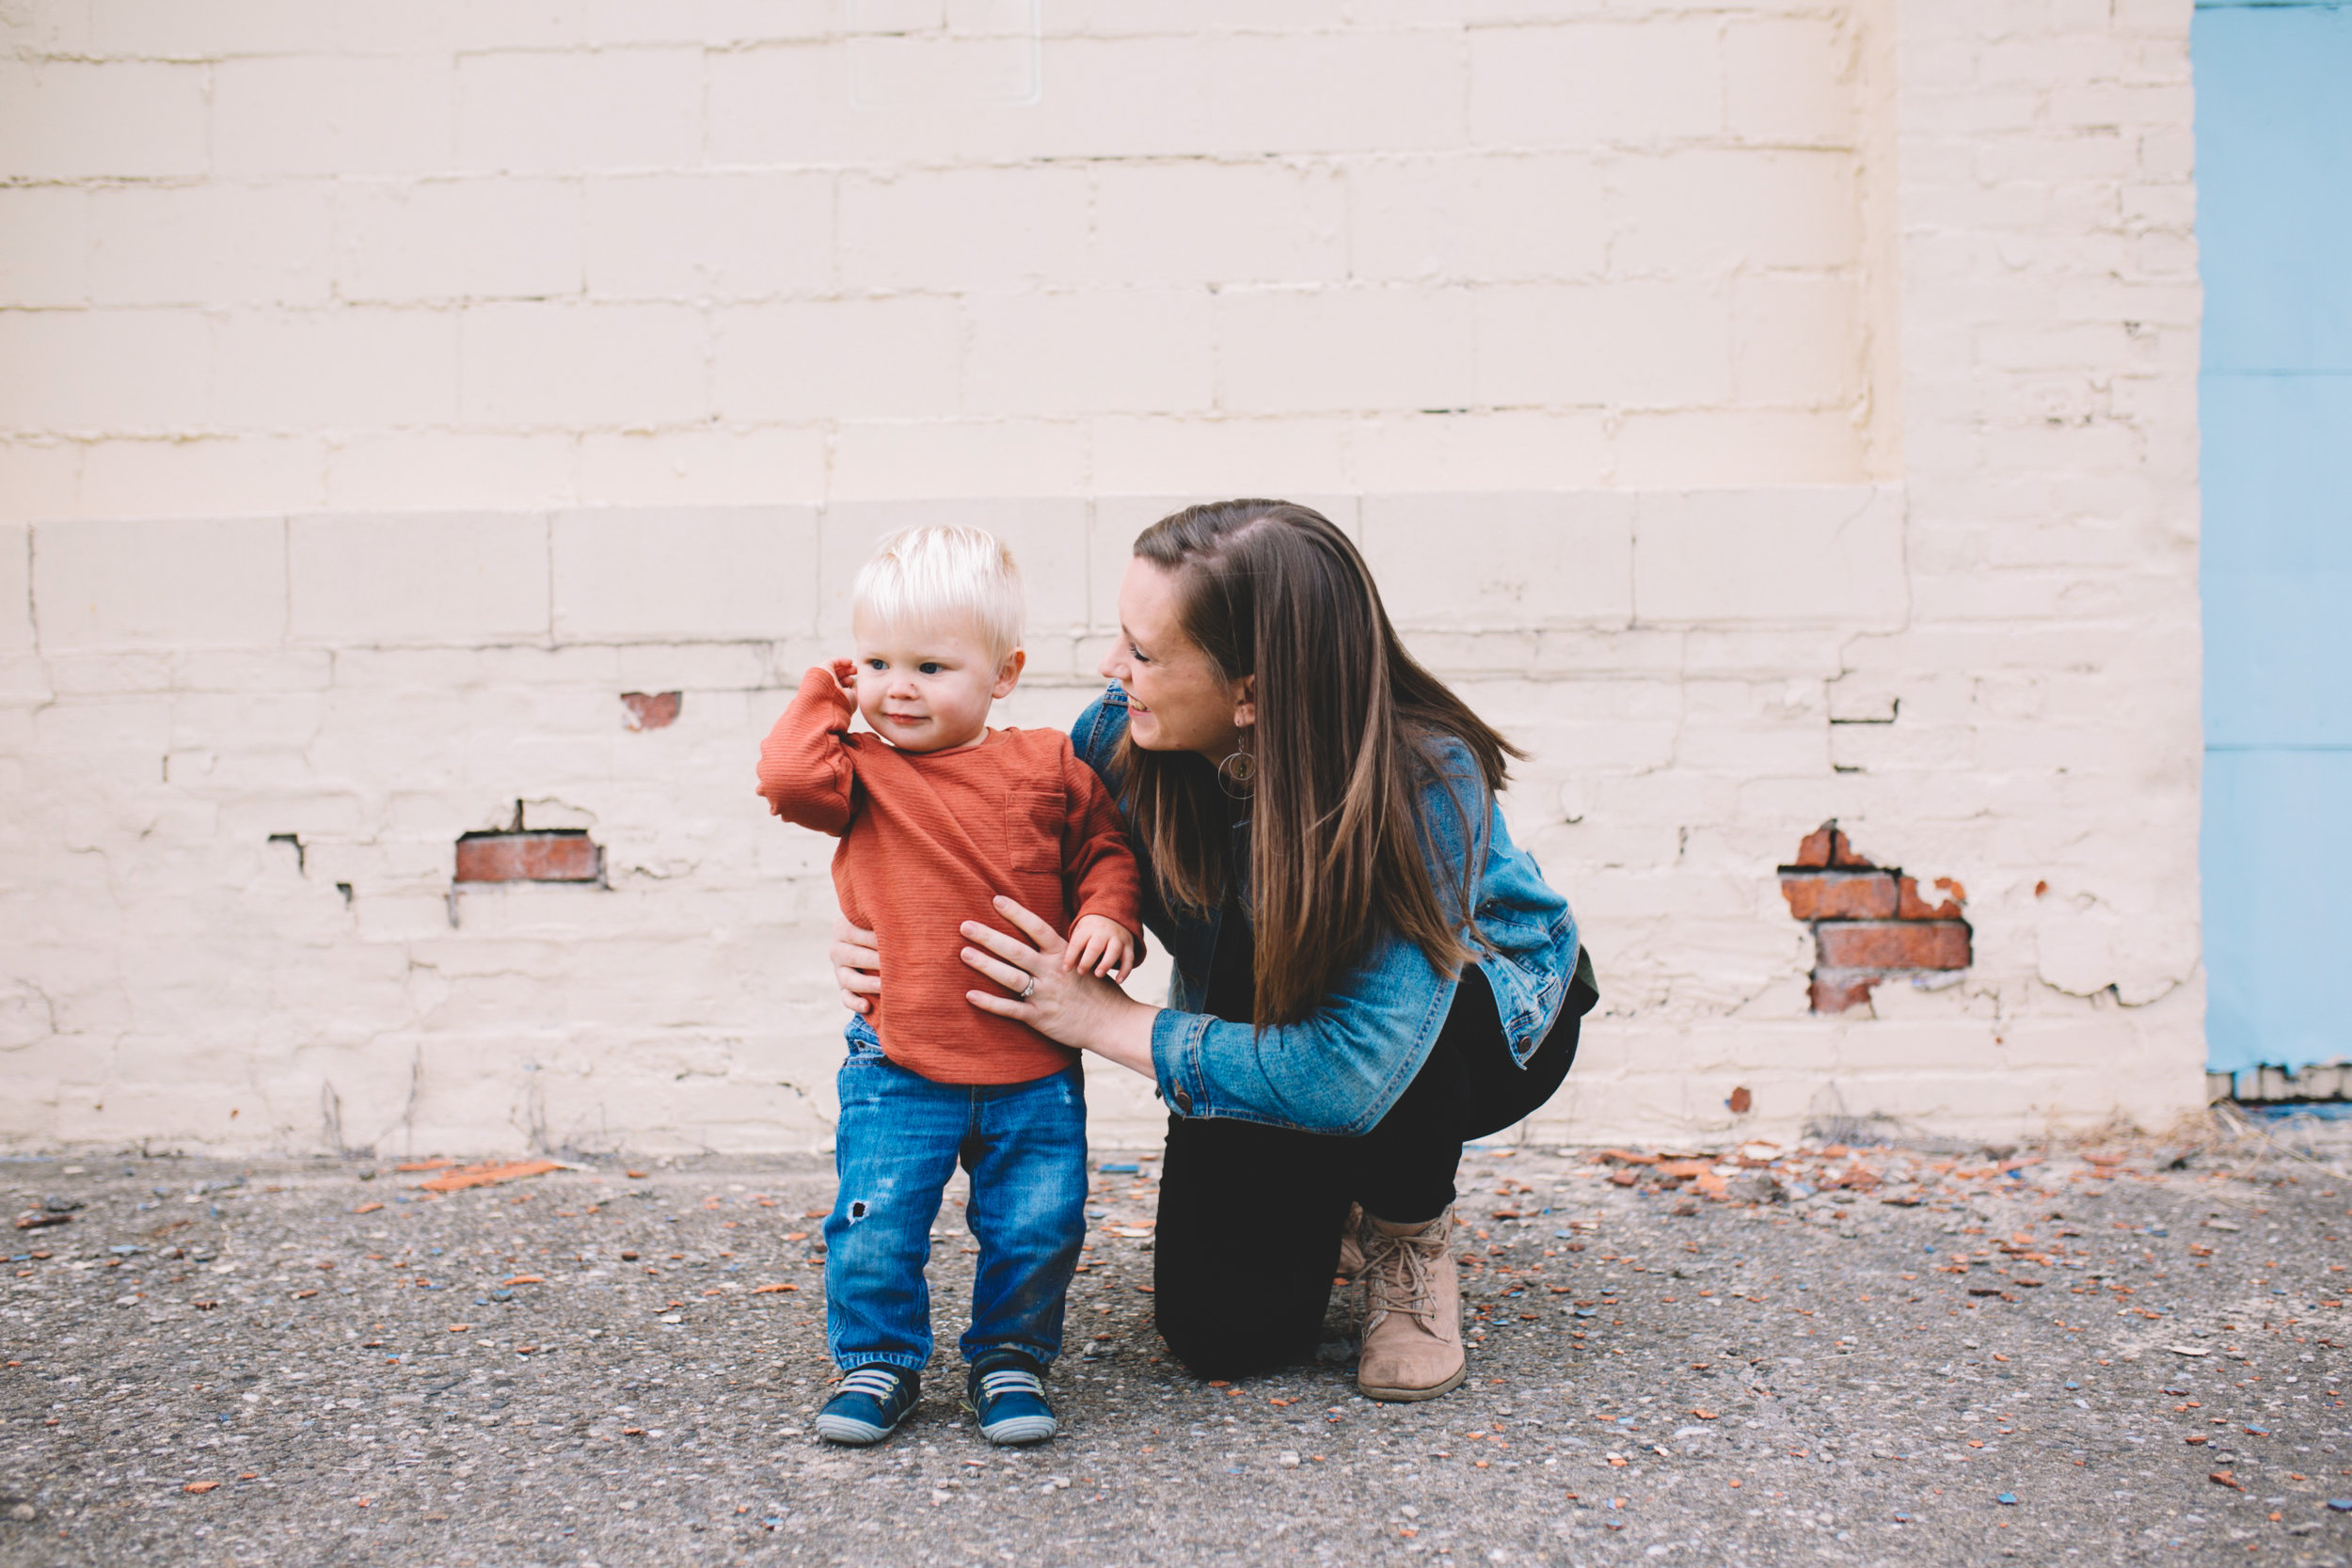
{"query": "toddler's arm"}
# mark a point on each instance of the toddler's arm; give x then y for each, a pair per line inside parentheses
(806, 773)
(1097, 862)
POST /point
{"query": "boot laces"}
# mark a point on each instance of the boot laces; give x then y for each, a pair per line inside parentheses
(1397, 1270)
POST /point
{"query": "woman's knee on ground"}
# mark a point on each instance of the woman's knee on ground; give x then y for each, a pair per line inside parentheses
(1237, 1338)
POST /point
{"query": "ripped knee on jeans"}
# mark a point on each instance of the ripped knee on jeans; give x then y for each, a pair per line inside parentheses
(858, 1209)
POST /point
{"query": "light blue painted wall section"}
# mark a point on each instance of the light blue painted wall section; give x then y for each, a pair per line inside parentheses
(2274, 176)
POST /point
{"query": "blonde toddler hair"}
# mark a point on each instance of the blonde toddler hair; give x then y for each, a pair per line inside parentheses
(944, 574)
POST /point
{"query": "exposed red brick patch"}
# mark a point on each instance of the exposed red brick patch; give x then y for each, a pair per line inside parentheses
(1842, 894)
(1835, 990)
(651, 710)
(1869, 922)
(1742, 1102)
(1826, 846)
(547, 855)
(1892, 944)
(1949, 896)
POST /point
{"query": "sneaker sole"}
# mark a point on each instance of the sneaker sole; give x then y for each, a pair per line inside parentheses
(1018, 1430)
(852, 1433)
(1407, 1396)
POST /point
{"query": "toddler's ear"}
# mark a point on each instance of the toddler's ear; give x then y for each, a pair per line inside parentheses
(1008, 674)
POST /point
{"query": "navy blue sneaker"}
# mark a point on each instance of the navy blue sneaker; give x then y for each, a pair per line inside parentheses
(1006, 1389)
(872, 1401)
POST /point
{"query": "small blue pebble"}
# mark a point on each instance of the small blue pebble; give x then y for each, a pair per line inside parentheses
(1119, 1168)
(1559, 1235)
(2071, 1384)
(1901, 1518)
(2342, 1505)
(2006, 1500)
(502, 1295)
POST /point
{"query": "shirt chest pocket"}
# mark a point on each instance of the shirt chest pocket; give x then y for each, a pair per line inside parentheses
(1033, 824)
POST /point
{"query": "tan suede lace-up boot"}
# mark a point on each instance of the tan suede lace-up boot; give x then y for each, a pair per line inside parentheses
(1351, 1264)
(1412, 1311)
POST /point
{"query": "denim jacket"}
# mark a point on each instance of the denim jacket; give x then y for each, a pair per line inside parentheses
(1338, 1069)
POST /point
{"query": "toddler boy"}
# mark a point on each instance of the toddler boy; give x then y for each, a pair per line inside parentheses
(937, 814)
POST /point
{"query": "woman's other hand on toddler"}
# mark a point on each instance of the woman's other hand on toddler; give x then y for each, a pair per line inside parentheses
(1101, 945)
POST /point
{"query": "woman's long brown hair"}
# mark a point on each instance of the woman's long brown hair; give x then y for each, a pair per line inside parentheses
(1340, 752)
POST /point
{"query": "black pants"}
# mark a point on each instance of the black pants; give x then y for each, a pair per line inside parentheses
(1250, 1215)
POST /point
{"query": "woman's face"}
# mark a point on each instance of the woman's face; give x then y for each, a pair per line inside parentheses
(1176, 700)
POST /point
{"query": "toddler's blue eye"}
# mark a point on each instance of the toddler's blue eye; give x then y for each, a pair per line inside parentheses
(929, 668)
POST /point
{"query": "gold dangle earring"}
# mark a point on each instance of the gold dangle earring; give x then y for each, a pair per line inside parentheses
(1238, 770)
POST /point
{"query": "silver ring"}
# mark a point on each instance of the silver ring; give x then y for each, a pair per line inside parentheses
(1028, 989)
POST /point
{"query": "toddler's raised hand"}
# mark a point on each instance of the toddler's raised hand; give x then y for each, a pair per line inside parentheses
(1101, 945)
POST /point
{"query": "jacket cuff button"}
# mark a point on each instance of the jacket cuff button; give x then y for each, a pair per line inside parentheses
(1183, 1102)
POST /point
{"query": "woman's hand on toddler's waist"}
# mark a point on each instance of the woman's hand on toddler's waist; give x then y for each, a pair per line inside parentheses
(1062, 1002)
(856, 964)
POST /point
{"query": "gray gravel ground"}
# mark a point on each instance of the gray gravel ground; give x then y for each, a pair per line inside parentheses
(265, 1363)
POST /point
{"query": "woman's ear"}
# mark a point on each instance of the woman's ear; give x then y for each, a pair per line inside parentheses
(1246, 702)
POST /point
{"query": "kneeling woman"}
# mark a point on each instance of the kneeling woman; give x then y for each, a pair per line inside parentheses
(1369, 972)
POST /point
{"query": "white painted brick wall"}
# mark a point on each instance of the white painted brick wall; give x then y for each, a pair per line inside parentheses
(84, 120)
(327, 114)
(655, 577)
(450, 240)
(435, 581)
(1765, 411)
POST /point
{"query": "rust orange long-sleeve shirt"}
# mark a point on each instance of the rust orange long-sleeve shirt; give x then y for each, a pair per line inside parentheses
(926, 840)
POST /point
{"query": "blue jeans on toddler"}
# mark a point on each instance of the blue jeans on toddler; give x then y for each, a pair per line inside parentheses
(898, 1142)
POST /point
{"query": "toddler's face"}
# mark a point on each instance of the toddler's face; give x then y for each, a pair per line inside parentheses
(928, 688)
